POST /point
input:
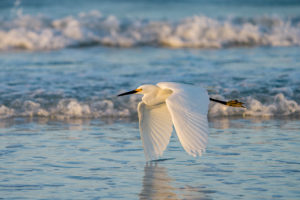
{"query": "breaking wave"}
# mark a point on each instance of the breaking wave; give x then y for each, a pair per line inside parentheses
(42, 33)
(279, 106)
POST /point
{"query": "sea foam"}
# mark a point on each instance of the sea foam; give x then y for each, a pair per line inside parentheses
(42, 33)
(279, 106)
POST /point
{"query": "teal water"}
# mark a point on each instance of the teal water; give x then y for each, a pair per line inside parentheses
(245, 159)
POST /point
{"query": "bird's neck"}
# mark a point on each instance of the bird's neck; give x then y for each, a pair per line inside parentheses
(156, 97)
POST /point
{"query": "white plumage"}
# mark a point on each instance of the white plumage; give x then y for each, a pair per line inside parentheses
(167, 104)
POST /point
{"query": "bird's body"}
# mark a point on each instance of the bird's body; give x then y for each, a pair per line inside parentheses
(169, 104)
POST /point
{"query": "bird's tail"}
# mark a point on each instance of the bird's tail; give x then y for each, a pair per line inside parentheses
(232, 103)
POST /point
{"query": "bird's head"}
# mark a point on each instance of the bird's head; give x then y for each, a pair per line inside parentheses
(143, 89)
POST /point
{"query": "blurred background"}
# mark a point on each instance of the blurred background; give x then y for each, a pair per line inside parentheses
(66, 59)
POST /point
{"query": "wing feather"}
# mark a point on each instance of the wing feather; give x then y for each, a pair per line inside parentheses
(188, 107)
(156, 128)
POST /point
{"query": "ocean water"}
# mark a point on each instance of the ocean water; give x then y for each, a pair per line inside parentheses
(66, 135)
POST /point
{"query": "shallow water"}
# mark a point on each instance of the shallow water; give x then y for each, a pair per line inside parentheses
(83, 83)
(245, 159)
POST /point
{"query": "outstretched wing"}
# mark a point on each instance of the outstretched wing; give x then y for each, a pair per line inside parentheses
(155, 128)
(188, 106)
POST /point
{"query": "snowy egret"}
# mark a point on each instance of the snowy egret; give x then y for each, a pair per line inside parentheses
(167, 104)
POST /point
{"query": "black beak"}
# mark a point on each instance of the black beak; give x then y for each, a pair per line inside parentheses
(127, 93)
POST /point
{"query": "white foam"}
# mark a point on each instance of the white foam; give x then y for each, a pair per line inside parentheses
(30, 109)
(71, 108)
(40, 33)
(6, 112)
(280, 106)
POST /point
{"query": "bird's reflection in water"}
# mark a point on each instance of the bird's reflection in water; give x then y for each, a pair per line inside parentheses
(157, 184)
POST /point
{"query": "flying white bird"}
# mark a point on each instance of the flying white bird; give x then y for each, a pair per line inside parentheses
(167, 104)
